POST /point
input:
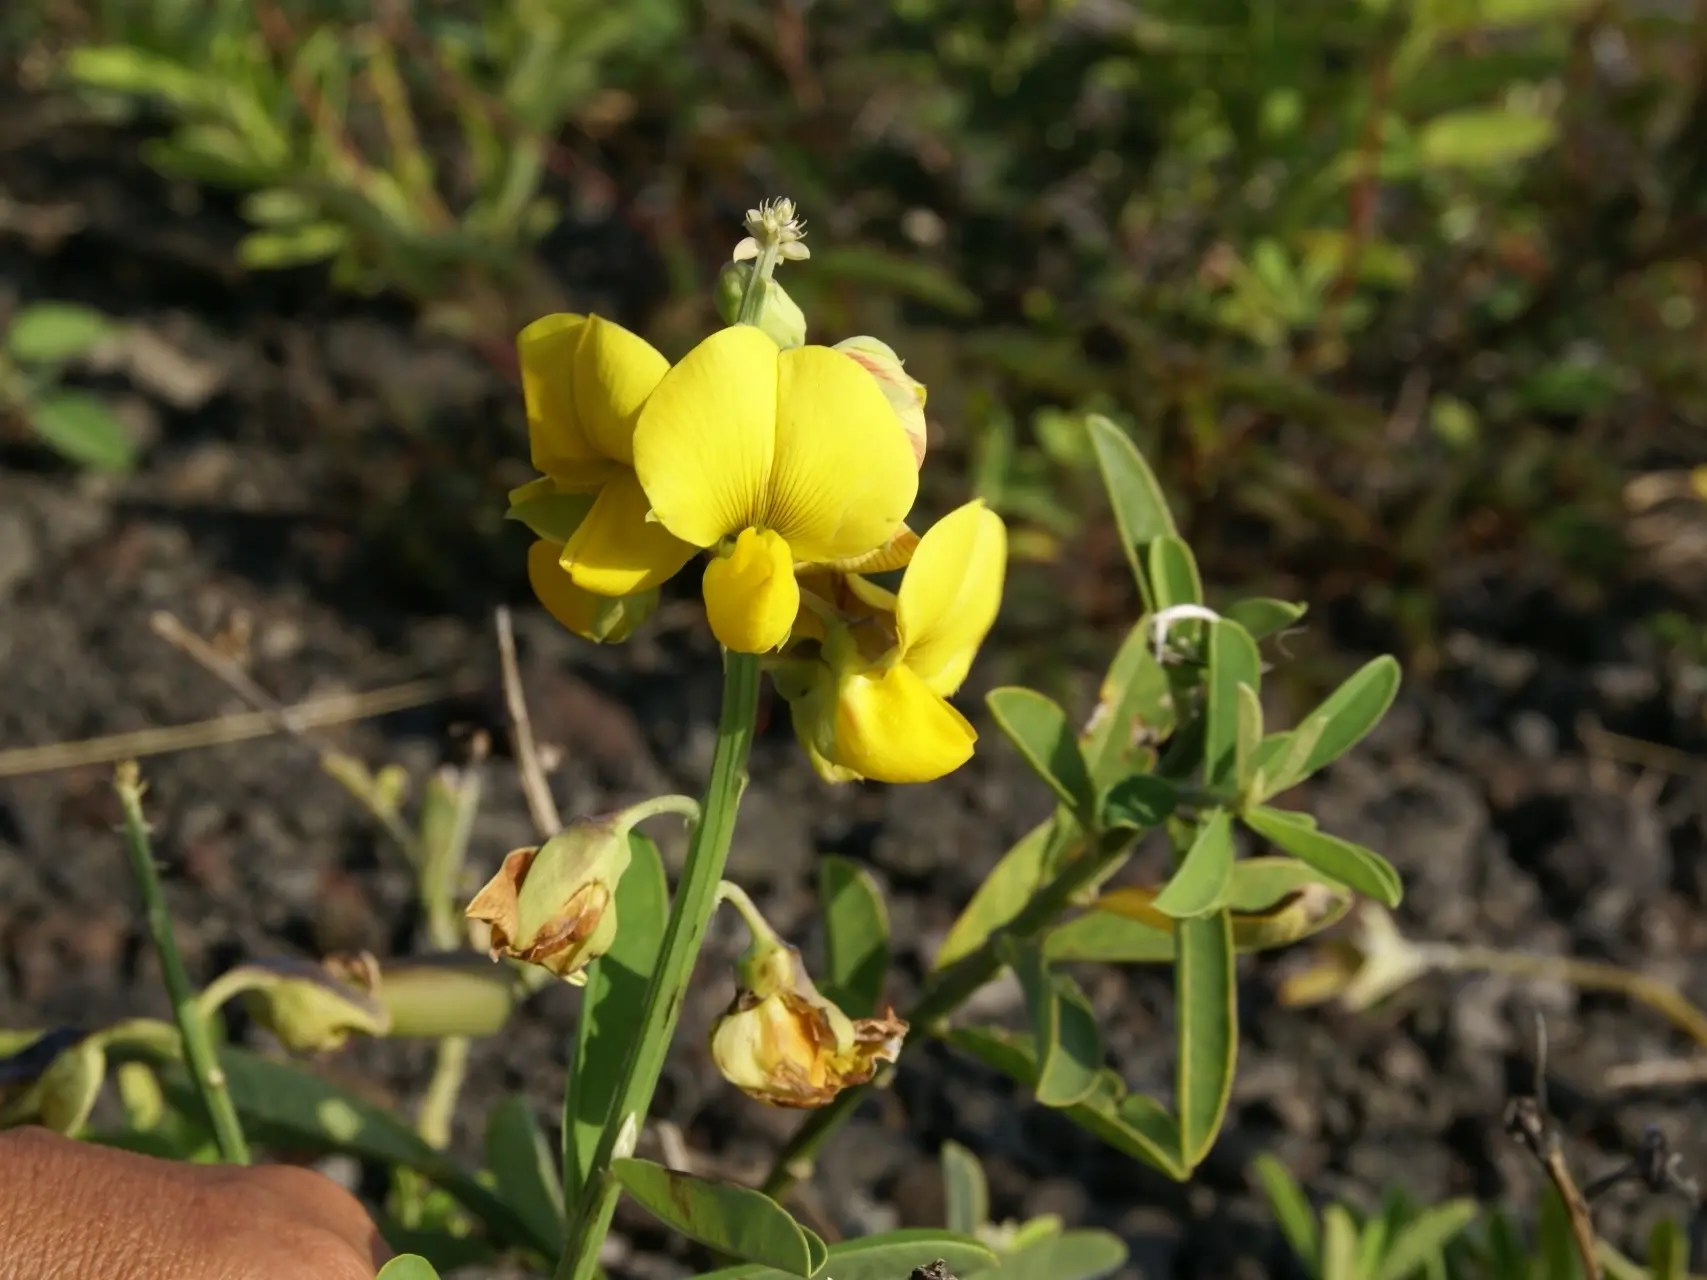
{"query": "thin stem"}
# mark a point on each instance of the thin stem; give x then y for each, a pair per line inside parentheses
(205, 1071)
(753, 301)
(695, 900)
(438, 1105)
(536, 788)
(948, 990)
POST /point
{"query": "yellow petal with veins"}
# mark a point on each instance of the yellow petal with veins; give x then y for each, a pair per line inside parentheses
(616, 550)
(890, 727)
(705, 441)
(751, 596)
(614, 372)
(583, 381)
(950, 594)
(844, 477)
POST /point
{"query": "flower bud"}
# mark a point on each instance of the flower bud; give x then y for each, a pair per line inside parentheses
(53, 1081)
(555, 906)
(313, 1008)
(780, 317)
(783, 1044)
(906, 395)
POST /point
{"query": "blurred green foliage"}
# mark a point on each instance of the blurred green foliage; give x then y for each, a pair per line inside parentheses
(1382, 285)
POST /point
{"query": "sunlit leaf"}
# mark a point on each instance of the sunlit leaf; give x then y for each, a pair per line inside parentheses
(1135, 701)
(856, 936)
(1173, 573)
(525, 1169)
(407, 1266)
(888, 1256)
(1484, 138)
(1140, 509)
(1339, 1244)
(1006, 890)
(1039, 728)
(53, 332)
(1291, 1210)
(966, 1194)
(733, 1220)
(1423, 1238)
(1350, 864)
(1064, 1030)
(1263, 616)
(1233, 661)
(1199, 886)
(1207, 1032)
(1070, 1255)
(81, 428)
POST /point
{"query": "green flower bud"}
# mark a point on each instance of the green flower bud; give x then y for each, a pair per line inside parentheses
(53, 1081)
(780, 317)
(313, 1008)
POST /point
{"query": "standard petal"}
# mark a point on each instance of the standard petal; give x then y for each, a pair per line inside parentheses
(706, 437)
(890, 727)
(546, 352)
(950, 593)
(844, 477)
(616, 550)
(751, 596)
(614, 372)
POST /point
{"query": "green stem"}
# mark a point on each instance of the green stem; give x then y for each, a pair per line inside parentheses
(438, 1106)
(695, 900)
(205, 1071)
(948, 990)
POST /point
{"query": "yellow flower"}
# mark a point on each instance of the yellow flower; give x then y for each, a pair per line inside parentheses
(603, 619)
(584, 380)
(783, 1044)
(906, 394)
(772, 459)
(878, 708)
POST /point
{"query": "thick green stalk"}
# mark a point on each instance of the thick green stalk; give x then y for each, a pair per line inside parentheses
(205, 1071)
(948, 990)
(690, 912)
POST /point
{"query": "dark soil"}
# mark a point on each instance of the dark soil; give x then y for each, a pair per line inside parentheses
(322, 485)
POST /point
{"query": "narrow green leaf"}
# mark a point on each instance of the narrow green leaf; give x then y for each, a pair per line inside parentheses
(1134, 704)
(1291, 1210)
(1553, 1234)
(1352, 710)
(1208, 1030)
(1424, 1238)
(80, 428)
(1106, 938)
(1140, 509)
(1247, 740)
(284, 1105)
(1199, 887)
(1063, 1027)
(965, 1191)
(817, 1252)
(1131, 1123)
(1233, 661)
(293, 247)
(1339, 1244)
(525, 1169)
(1142, 802)
(856, 936)
(1173, 574)
(1039, 728)
(1005, 891)
(732, 1220)
(1283, 759)
(407, 1266)
(1071, 1255)
(1263, 616)
(888, 1256)
(1350, 864)
(54, 332)
(611, 1004)
(1484, 139)
(1668, 1252)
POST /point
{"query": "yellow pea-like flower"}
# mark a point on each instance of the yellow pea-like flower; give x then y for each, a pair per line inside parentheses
(584, 381)
(768, 457)
(887, 717)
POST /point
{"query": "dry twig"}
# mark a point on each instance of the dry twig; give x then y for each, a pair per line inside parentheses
(541, 807)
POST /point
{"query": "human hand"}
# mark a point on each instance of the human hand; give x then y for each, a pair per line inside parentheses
(75, 1211)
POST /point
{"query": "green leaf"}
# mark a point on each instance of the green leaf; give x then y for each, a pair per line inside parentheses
(81, 428)
(856, 936)
(1063, 1027)
(1106, 938)
(1557, 1243)
(1071, 1255)
(1339, 1244)
(1291, 1210)
(525, 1170)
(1668, 1252)
(1199, 886)
(1208, 1030)
(1248, 740)
(1140, 510)
(125, 69)
(1484, 138)
(611, 1006)
(730, 1219)
(1282, 758)
(1128, 1122)
(1263, 616)
(1350, 864)
(1039, 728)
(1352, 710)
(286, 1106)
(1006, 890)
(548, 514)
(54, 332)
(1173, 573)
(966, 1194)
(1142, 802)
(1233, 661)
(296, 247)
(888, 1256)
(1424, 1238)
(407, 1266)
(1135, 700)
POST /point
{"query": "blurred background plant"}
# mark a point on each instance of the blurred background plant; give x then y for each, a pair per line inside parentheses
(1395, 287)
